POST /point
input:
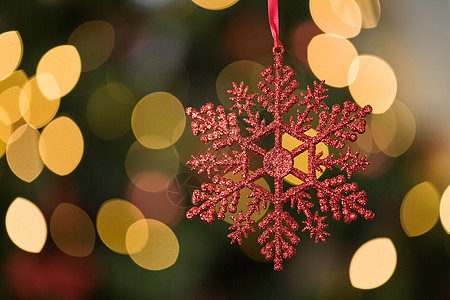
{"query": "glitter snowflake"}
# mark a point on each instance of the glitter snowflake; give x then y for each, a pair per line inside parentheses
(334, 128)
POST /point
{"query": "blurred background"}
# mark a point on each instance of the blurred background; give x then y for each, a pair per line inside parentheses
(94, 143)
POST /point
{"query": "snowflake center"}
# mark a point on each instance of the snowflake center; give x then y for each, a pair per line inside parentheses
(278, 162)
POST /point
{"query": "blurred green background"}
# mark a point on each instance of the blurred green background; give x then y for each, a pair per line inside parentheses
(175, 46)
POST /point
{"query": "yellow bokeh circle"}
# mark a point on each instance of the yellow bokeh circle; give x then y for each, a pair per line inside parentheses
(11, 50)
(339, 17)
(158, 120)
(394, 130)
(22, 153)
(94, 41)
(72, 230)
(419, 211)
(330, 57)
(160, 249)
(215, 4)
(58, 71)
(36, 109)
(26, 225)
(114, 218)
(373, 264)
(61, 146)
(372, 81)
(370, 12)
(444, 210)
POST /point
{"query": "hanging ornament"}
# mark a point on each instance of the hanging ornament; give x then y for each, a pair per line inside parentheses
(222, 195)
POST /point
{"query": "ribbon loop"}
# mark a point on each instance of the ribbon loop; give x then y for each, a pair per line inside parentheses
(274, 22)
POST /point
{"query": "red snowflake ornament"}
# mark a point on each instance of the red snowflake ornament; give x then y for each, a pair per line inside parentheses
(220, 195)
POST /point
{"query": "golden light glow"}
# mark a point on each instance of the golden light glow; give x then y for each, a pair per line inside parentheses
(36, 109)
(188, 144)
(383, 127)
(394, 130)
(340, 17)
(113, 220)
(215, 4)
(61, 146)
(22, 153)
(330, 57)
(158, 120)
(365, 141)
(58, 71)
(17, 78)
(141, 160)
(26, 225)
(9, 100)
(301, 161)
(94, 41)
(5, 127)
(11, 50)
(372, 81)
(370, 12)
(373, 264)
(242, 206)
(444, 210)
(161, 245)
(72, 230)
(243, 70)
(420, 209)
(109, 111)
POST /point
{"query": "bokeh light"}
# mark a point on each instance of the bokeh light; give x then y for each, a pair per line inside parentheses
(188, 144)
(72, 230)
(420, 209)
(243, 200)
(301, 161)
(140, 160)
(372, 81)
(161, 245)
(26, 225)
(36, 109)
(330, 58)
(114, 218)
(109, 111)
(5, 126)
(370, 12)
(215, 4)
(157, 205)
(243, 70)
(158, 120)
(394, 130)
(340, 17)
(10, 102)
(22, 153)
(373, 264)
(61, 146)
(444, 210)
(58, 71)
(94, 41)
(17, 78)
(11, 50)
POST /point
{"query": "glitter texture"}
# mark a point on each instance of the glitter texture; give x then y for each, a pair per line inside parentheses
(277, 97)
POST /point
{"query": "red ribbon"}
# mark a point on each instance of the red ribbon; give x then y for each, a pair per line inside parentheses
(274, 22)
